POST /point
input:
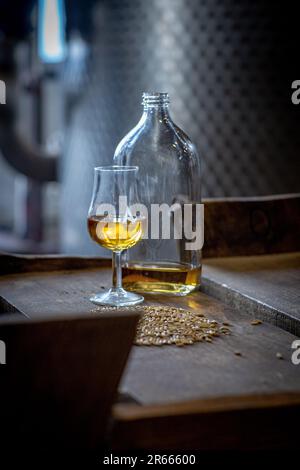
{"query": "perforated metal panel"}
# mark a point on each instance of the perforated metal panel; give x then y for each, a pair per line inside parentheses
(220, 62)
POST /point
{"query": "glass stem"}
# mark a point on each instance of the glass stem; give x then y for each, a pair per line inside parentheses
(117, 270)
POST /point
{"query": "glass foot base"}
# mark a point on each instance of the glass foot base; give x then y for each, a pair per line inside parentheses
(117, 298)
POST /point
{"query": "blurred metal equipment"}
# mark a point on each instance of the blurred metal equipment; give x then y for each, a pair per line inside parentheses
(33, 120)
(21, 140)
(39, 168)
(23, 157)
(224, 61)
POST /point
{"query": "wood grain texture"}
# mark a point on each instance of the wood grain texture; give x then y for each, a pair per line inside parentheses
(170, 374)
(266, 286)
(202, 396)
(10, 264)
(252, 226)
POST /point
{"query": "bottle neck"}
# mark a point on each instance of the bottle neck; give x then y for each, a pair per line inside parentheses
(156, 106)
(156, 112)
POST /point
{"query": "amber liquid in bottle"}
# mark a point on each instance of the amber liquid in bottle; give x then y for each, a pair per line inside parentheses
(115, 234)
(173, 278)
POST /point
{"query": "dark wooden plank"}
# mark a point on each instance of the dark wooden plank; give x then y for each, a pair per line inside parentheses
(63, 292)
(227, 423)
(265, 286)
(252, 226)
(224, 385)
(169, 374)
(61, 377)
(10, 264)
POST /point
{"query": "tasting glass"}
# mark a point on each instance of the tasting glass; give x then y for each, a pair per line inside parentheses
(113, 224)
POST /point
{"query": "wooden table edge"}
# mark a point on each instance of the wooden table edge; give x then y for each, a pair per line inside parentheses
(130, 412)
(251, 422)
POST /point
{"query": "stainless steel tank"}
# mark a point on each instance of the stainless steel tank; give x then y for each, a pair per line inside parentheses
(219, 60)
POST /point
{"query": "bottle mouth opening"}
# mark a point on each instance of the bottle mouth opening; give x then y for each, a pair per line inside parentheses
(116, 168)
(154, 99)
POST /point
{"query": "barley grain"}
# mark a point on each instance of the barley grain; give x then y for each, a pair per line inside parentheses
(166, 325)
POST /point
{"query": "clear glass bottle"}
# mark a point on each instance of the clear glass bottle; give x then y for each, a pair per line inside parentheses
(169, 173)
